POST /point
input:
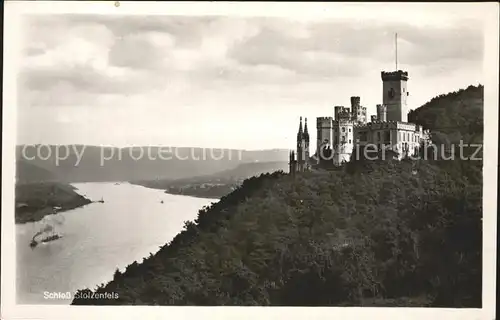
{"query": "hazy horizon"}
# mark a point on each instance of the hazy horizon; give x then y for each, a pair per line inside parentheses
(228, 82)
(146, 146)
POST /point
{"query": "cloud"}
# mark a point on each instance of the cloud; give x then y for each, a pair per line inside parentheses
(333, 49)
(148, 50)
(133, 55)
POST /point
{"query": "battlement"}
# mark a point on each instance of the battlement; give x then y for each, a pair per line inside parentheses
(394, 75)
(361, 125)
(321, 119)
(392, 124)
(324, 122)
(342, 113)
(398, 125)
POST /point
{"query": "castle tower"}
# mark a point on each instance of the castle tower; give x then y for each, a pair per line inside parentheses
(381, 112)
(324, 134)
(358, 112)
(343, 135)
(394, 95)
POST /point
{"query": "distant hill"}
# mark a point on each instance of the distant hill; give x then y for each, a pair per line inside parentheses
(126, 164)
(247, 170)
(27, 172)
(217, 184)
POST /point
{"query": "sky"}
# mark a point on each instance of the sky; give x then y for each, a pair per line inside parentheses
(229, 81)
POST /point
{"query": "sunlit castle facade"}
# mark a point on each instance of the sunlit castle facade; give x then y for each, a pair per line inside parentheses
(349, 130)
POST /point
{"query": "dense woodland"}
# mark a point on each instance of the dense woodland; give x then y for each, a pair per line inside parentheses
(371, 233)
(38, 199)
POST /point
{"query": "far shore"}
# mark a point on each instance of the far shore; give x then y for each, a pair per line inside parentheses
(34, 201)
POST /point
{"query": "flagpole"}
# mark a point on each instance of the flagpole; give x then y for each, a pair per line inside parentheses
(396, 45)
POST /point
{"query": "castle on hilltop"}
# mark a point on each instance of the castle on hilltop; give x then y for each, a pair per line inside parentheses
(338, 136)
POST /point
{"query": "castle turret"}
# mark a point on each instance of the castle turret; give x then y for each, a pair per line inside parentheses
(358, 111)
(292, 163)
(306, 146)
(355, 102)
(342, 113)
(300, 132)
(343, 134)
(306, 132)
(381, 112)
(302, 148)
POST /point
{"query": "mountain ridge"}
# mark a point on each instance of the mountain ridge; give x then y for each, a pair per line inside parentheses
(98, 164)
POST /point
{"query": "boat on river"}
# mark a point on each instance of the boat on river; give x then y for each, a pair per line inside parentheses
(45, 236)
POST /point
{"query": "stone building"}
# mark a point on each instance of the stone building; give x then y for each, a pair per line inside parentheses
(341, 136)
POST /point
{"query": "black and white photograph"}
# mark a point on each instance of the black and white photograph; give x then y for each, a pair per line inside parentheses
(334, 155)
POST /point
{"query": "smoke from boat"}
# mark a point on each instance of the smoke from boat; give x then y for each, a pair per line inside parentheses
(47, 224)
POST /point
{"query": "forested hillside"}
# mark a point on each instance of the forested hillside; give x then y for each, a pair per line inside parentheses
(371, 233)
(454, 116)
(38, 199)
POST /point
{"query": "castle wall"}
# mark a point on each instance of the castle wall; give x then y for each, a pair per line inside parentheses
(397, 136)
(381, 112)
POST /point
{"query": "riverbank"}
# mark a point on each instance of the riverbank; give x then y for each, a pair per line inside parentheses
(206, 190)
(34, 201)
(210, 192)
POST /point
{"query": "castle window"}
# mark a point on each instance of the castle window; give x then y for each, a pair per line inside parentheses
(343, 129)
(349, 140)
(349, 129)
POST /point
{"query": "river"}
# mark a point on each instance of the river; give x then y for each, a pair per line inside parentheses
(98, 238)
